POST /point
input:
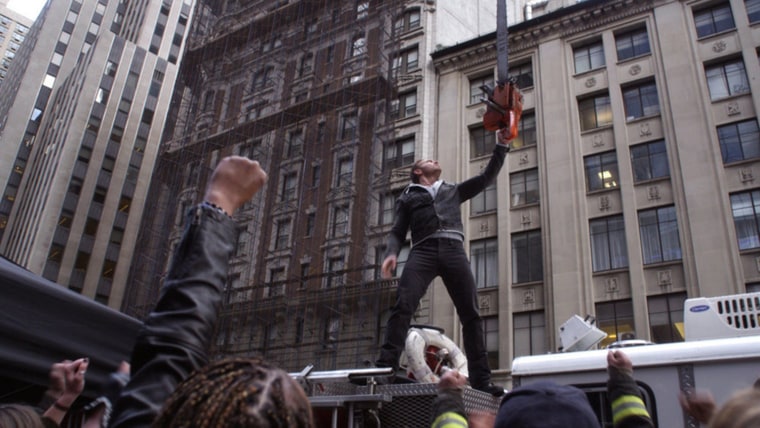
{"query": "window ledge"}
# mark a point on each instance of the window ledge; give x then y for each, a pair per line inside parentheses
(651, 181)
(731, 97)
(524, 206)
(719, 34)
(642, 118)
(527, 284)
(660, 265)
(633, 58)
(601, 191)
(610, 271)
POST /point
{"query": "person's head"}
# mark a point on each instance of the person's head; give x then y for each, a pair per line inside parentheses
(742, 410)
(426, 167)
(22, 416)
(237, 392)
(546, 405)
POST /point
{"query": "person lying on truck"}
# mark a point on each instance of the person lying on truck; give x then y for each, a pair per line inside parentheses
(547, 404)
(173, 344)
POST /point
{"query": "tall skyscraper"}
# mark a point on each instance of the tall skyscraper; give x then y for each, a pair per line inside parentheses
(13, 29)
(81, 115)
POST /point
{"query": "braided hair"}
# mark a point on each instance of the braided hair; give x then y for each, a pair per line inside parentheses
(237, 393)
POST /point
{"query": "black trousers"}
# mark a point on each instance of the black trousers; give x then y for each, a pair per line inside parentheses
(431, 258)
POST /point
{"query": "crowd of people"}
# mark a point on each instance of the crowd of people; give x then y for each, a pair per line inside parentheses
(169, 381)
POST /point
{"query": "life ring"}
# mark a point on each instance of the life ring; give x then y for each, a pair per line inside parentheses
(427, 351)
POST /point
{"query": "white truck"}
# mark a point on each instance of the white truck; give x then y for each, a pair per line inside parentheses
(721, 354)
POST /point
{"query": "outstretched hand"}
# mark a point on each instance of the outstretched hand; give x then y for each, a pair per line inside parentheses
(67, 378)
(234, 181)
(389, 264)
(699, 404)
(619, 360)
(452, 379)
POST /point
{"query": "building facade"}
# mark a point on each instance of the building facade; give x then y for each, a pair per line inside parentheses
(81, 115)
(13, 29)
(332, 104)
(633, 185)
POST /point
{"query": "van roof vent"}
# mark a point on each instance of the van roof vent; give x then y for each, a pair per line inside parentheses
(722, 316)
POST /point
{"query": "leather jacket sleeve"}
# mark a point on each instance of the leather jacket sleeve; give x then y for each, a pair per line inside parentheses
(176, 335)
(472, 186)
(397, 234)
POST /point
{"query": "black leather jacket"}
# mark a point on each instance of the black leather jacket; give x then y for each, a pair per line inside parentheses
(176, 336)
(416, 208)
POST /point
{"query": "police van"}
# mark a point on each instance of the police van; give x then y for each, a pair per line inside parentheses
(721, 354)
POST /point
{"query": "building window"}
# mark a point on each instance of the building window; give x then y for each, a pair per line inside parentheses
(608, 246)
(91, 226)
(307, 64)
(475, 83)
(588, 57)
(311, 220)
(601, 171)
(340, 221)
(358, 46)
(295, 144)
(316, 172)
(331, 332)
(595, 112)
(615, 319)
(739, 141)
(522, 74)
(649, 161)
(405, 105)
(727, 79)
(387, 208)
(714, 19)
(345, 172)
(632, 44)
(753, 10)
(484, 260)
(481, 141)
(491, 331)
(529, 336)
(523, 187)
(527, 257)
(349, 126)
(485, 201)
(399, 153)
(666, 317)
(526, 131)
(405, 62)
(746, 211)
(262, 78)
(276, 282)
(282, 234)
(335, 272)
(659, 235)
(288, 190)
(409, 20)
(641, 101)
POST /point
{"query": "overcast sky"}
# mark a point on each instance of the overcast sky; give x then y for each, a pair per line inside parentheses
(28, 8)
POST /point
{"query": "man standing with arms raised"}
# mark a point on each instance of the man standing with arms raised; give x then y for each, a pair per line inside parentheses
(430, 208)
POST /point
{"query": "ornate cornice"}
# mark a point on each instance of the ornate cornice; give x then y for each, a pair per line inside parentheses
(528, 35)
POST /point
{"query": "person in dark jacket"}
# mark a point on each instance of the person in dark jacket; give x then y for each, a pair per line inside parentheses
(546, 404)
(430, 208)
(176, 336)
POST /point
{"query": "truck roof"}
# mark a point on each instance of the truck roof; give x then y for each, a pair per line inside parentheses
(712, 350)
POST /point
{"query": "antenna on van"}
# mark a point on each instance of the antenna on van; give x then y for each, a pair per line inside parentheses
(579, 334)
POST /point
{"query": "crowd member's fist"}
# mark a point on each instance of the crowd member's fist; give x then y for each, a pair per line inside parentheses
(234, 181)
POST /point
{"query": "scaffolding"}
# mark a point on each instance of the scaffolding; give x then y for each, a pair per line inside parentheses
(307, 89)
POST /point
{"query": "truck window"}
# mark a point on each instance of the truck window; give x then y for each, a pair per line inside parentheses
(597, 396)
